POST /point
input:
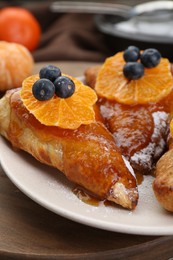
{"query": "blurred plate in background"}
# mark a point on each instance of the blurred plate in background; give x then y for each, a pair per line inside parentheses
(153, 29)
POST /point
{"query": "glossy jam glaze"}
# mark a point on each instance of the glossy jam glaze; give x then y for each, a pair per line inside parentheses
(140, 131)
(132, 126)
(90, 157)
(85, 197)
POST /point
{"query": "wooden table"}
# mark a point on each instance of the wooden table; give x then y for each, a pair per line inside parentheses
(29, 231)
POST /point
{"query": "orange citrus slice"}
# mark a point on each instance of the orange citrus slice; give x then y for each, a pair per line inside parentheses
(111, 83)
(171, 127)
(68, 113)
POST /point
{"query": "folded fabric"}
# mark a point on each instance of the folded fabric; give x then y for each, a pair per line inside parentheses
(68, 36)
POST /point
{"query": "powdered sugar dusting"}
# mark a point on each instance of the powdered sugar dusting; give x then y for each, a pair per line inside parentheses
(155, 148)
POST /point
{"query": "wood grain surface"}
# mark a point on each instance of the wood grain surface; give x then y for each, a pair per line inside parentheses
(29, 231)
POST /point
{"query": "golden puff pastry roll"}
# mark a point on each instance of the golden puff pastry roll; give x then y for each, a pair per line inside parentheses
(163, 183)
(140, 127)
(87, 155)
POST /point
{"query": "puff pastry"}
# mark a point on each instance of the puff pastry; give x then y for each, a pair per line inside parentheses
(87, 156)
(163, 183)
(129, 124)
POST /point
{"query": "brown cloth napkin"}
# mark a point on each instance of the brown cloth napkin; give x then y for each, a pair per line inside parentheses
(68, 37)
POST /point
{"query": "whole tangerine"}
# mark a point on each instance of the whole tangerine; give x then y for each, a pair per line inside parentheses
(18, 25)
(16, 63)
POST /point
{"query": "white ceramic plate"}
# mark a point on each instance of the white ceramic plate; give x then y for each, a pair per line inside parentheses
(49, 188)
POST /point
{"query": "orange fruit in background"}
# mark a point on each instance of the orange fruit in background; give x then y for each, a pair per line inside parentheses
(16, 63)
(20, 26)
(68, 113)
(111, 83)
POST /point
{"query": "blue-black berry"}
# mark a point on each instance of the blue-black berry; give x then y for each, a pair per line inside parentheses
(150, 58)
(133, 70)
(50, 72)
(132, 53)
(43, 89)
(64, 87)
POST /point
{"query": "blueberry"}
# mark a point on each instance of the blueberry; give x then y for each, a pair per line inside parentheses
(50, 72)
(43, 89)
(150, 58)
(132, 53)
(133, 70)
(64, 87)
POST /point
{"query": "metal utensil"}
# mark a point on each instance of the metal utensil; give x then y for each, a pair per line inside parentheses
(125, 11)
(89, 7)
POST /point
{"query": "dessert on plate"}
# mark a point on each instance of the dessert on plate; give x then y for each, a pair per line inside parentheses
(163, 183)
(134, 91)
(54, 118)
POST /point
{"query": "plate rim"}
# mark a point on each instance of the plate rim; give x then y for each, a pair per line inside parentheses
(109, 29)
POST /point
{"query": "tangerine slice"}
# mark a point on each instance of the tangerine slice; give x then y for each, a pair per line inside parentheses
(111, 83)
(68, 113)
